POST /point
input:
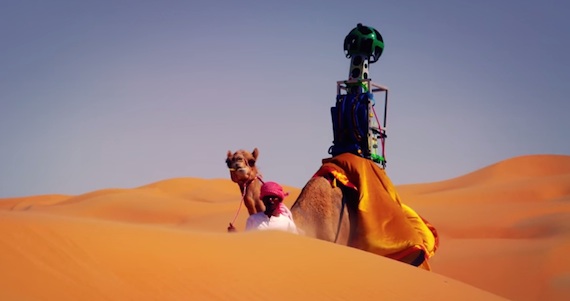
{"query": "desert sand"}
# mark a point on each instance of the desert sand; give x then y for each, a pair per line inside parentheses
(505, 234)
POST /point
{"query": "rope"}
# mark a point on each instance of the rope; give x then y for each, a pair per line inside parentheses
(240, 203)
(258, 177)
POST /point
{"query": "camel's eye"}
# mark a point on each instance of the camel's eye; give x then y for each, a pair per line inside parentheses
(251, 162)
(229, 163)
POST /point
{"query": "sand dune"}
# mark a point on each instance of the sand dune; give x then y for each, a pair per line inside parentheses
(505, 227)
(520, 179)
(505, 231)
(66, 258)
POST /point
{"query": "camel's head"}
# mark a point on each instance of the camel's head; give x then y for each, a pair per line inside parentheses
(242, 165)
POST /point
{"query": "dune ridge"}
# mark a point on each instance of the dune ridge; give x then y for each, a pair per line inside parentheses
(547, 172)
(505, 232)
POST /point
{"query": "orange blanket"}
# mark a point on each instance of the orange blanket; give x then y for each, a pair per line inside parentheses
(385, 226)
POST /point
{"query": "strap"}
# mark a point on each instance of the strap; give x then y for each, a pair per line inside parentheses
(342, 206)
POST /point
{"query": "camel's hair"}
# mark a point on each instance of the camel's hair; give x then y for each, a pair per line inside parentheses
(317, 211)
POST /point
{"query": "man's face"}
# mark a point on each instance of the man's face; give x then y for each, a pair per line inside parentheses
(271, 203)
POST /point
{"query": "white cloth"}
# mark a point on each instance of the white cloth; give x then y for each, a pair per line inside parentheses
(260, 221)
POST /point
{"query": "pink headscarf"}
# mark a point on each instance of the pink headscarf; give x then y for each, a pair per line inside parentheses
(274, 189)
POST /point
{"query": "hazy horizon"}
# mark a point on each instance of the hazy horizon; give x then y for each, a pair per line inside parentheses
(111, 94)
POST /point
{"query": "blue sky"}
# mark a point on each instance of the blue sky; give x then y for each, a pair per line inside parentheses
(99, 94)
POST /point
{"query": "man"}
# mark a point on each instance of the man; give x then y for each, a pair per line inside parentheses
(276, 215)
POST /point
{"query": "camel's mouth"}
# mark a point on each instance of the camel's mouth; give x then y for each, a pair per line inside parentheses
(242, 170)
(240, 173)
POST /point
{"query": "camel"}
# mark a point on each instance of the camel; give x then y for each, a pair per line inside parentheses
(329, 208)
(319, 212)
(244, 172)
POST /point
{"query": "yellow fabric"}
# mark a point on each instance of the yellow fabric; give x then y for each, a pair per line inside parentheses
(386, 226)
(424, 229)
(340, 177)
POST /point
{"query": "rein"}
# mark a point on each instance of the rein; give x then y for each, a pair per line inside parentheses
(245, 185)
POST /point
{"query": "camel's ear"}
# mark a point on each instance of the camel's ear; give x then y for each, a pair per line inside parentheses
(255, 153)
(229, 154)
